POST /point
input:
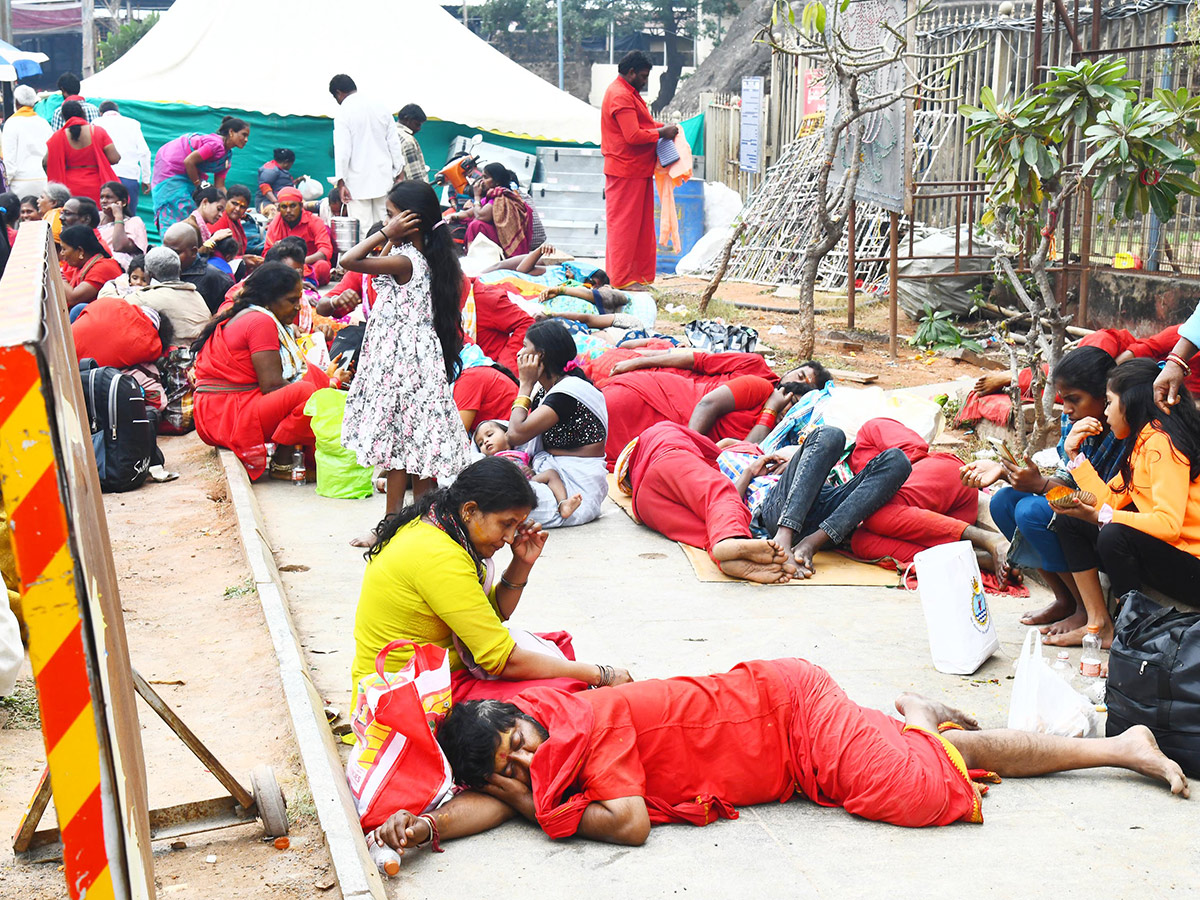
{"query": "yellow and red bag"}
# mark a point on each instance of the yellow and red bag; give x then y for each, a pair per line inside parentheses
(396, 762)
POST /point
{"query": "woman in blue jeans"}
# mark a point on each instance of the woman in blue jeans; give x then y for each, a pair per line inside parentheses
(1080, 380)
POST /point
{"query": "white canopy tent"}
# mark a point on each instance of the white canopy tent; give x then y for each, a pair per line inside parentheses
(398, 51)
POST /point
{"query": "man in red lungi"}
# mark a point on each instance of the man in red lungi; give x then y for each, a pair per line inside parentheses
(608, 764)
(628, 139)
(930, 508)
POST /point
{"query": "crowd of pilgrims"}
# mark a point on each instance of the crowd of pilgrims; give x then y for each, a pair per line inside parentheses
(506, 399)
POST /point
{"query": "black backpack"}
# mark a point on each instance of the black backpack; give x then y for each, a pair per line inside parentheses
(1154, 677)
(122, 434)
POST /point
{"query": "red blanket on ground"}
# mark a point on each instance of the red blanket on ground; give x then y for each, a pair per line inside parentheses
(696, 748)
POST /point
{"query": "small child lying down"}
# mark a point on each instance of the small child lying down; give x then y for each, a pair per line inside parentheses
(492, 440)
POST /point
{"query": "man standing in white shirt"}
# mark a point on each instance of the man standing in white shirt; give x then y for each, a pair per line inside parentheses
(366, 152)
(127, 137)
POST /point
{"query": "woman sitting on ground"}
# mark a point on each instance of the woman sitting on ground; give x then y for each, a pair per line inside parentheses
(50, 203)
(252, 380)
(567, 415)
(1144, 527)
(123, 231)
(499, 213)
(430, 579)
(87, 267)
(80, 155)
(237, 202)
(29, 210)
(1080, 380)
(275, 175)
(210, 206)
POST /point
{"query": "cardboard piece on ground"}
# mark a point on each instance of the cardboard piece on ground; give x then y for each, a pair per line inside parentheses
(832, 568)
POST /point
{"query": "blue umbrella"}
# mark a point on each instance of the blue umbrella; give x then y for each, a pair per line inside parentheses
(15, 63)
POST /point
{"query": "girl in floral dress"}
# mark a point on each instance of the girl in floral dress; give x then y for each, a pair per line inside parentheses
(400, 413)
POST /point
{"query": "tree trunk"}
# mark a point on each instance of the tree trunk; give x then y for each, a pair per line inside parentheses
(808, 282)
(669, 80)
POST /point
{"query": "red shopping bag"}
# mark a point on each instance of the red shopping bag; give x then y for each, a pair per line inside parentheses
(396, 762)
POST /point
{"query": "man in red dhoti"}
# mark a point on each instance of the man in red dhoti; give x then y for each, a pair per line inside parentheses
(629, 136)
(930, 508)
(608, 764)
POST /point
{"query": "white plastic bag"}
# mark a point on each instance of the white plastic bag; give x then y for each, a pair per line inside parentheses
(851, 408)
(1042, 701)
(961, 632)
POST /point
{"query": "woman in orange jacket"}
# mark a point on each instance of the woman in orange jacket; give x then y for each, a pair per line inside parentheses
(1143, 528)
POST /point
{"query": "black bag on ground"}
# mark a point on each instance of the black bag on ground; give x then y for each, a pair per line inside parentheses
(122, 434)
(1154, 677)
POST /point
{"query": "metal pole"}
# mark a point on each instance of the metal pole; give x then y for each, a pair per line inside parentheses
(6, 34)
(464, 13)
(850, 237)
(560, 48)
(893, 272)
(88, 26)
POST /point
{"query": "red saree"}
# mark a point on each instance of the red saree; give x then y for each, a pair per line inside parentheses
(230, 409)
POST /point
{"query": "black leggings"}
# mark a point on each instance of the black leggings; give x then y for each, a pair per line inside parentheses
(1131, 558)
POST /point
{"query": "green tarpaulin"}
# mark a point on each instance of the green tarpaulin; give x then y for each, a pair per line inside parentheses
(310, 137)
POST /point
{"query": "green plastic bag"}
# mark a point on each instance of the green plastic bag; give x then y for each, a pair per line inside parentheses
(338, 473)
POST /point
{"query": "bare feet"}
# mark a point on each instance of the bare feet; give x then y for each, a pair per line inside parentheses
(1145, 757)
(917, 707)
(1061, 608)
(803, 552)
(367, 540)
(760, 573)
(567, 507)
(1074, 637)
(990, 384)
(1074, 622)
(765, 562)
(997, 547)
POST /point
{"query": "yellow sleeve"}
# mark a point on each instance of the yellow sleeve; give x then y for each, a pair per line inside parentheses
(449, 585)
(1162, 473)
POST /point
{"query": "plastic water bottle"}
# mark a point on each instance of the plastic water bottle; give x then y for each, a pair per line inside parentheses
(1062, 667)
(1090, 662)
(386, 860)
(298, 472)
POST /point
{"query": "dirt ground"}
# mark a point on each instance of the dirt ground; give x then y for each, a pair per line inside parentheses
(871, 330)
(196, 632)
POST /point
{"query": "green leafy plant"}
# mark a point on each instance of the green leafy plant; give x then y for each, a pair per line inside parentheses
(936, 331)
(118, 42)
(1144, 150)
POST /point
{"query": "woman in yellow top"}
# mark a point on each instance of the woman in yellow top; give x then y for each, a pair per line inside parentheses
(428, 580)
(1144, 528)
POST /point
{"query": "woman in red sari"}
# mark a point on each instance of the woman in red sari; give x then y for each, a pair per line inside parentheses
(80, 155)
(252, 380)
(86, 266)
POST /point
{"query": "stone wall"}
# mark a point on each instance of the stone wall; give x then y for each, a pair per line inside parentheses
(1141, 302)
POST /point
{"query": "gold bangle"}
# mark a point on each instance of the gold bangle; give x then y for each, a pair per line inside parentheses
(522, 402)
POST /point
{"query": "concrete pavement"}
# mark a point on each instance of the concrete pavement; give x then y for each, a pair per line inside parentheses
(629, 597)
